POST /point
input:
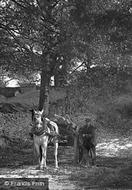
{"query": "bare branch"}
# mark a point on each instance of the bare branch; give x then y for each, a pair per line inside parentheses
(77, 67)
(22, 46)
(55, 3)
(19, 4)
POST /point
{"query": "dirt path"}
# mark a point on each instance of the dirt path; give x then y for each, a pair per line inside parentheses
(113, 170)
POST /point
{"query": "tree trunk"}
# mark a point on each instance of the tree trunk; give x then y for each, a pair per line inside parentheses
(67, 102)
(44, 91)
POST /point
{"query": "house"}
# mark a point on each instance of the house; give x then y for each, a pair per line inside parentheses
(9, 92)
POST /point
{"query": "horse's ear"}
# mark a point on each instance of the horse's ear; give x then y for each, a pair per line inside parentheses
(41, 112)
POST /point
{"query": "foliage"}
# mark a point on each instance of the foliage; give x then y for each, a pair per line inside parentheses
(53, 36)
(91, 90)
(104, 35)
(90, 31)
(30, 32)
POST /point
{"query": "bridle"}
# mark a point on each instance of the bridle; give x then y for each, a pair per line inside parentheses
(39, 127)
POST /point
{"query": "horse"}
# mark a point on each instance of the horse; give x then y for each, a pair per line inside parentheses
(44, 131)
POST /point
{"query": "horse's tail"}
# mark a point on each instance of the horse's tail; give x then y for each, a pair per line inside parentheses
(40, 152)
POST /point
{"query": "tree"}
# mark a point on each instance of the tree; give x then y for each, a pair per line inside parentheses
(104, 36)
(52, 36)
(37, 33)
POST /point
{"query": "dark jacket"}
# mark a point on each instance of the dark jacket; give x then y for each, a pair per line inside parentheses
(87, 136)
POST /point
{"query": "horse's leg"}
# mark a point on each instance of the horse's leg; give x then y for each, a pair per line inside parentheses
(56, 153)
(34, 154)
(44, 152)
(37, 151)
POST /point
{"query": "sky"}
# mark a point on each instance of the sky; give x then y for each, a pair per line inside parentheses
(13, 83)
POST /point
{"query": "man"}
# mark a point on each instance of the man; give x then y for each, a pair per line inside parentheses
(87, 142)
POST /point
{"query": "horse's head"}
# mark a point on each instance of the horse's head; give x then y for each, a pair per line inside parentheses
(37, 118)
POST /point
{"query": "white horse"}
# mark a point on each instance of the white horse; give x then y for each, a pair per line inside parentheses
(44, 131)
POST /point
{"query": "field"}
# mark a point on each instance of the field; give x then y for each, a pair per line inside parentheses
(113, 169)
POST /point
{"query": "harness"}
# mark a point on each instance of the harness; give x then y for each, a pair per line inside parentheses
(44, 130)
(38, 131)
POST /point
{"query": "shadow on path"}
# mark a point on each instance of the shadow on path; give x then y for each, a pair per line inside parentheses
(113, 170)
